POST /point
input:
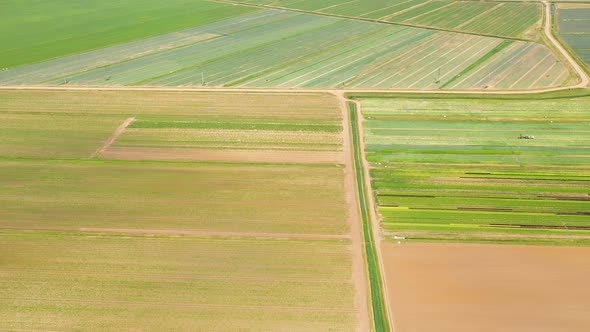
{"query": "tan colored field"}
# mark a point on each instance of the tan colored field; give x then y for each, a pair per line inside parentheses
(77, 282)
(487, 288)
(258, 156)
(222, 211)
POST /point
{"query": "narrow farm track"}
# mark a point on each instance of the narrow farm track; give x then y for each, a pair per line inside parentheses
(359, 270)
(113, 138)
(374, 223)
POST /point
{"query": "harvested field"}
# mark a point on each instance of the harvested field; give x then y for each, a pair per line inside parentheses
(276, 48)
(467, 287)
(455, 169)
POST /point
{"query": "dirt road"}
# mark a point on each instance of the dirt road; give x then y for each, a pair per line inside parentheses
(359, 271)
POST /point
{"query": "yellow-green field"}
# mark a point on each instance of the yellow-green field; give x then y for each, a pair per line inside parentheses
(66, 281)
(145, 241)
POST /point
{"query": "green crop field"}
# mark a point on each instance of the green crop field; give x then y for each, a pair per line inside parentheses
(40, 30)
(134, 237)
(455, 169)
(574, 28)
(286, 49)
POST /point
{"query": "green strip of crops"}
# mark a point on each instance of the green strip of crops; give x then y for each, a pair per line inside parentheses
(379, 309)
(481, 60)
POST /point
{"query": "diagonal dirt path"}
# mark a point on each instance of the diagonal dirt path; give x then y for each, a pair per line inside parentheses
(113, 138)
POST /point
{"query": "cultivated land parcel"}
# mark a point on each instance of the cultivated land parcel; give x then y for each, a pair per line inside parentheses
(452, 168)
(574, 28)
(153, 243)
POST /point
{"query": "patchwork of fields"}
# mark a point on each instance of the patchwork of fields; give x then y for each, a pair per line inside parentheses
(248, 209)
(516, 20)
(455, 169)
(156, 232)
(574, 28)
(274, 48)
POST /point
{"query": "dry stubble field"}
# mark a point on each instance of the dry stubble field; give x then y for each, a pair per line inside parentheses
(140, 238)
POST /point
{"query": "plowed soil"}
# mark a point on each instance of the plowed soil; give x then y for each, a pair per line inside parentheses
(469, 287)
(255, 156)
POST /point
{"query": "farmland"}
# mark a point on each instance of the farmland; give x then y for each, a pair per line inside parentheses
(42, 30)
(514, 20)
(283, 165)
(487, 288)
(455, 169)
(574, 28)
(284, 49)
(135, 236)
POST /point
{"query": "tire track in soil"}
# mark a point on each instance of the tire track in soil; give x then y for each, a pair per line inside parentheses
(113, 138)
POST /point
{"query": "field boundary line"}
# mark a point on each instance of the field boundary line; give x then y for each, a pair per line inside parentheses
(188, 232)
(239, 90)
(113, 138)
(181, 304)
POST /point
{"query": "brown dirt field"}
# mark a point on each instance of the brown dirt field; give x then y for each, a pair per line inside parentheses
(472, 287)
(247, 156)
